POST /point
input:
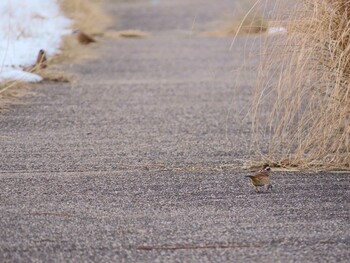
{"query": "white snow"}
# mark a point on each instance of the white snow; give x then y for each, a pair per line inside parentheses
(277, 30)
(8, 74)
(26, 26)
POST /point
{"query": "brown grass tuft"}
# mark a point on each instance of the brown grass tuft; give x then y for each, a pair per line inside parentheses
(87, 14)
(125, 34)
(9, 91)
(56, 76)
(72, 52)
(89, 17)
(304, 83)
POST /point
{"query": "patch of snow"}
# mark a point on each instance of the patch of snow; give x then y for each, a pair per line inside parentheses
(26, 26)
(277, 30)
(8, 74)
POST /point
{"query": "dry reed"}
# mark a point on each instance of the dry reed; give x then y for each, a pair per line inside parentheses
(302, 107)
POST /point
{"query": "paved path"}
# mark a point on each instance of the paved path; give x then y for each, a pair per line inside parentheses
(134, 162)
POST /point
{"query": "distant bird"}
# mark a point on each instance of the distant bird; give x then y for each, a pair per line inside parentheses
(261, 178)
(41, 60)
(83, 38)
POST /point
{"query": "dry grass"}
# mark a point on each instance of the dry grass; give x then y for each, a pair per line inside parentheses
(72, 52)
(87, 14)
(56, 75)
(9, 91)
(304, 84)
(125, 34)
(88, 17)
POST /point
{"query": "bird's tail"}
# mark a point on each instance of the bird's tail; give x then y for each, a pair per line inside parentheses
(250, 176)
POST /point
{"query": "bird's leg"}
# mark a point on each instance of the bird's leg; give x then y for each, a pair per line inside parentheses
(257, 189)
(269, 187)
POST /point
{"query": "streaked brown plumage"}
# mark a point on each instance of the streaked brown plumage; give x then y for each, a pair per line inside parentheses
(261, 178)
(41, 59)
(83, 38)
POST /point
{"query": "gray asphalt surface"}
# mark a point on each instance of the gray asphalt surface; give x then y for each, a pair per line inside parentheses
(137, 162)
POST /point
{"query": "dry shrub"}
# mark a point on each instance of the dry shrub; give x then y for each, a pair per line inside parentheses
(304, 84)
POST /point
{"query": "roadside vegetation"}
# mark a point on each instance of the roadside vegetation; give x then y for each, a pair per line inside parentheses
(304, 81)
(89, 17)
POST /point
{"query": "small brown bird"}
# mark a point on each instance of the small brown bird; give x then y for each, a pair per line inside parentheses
(41, 60)
(83, 38)
(261, 178)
